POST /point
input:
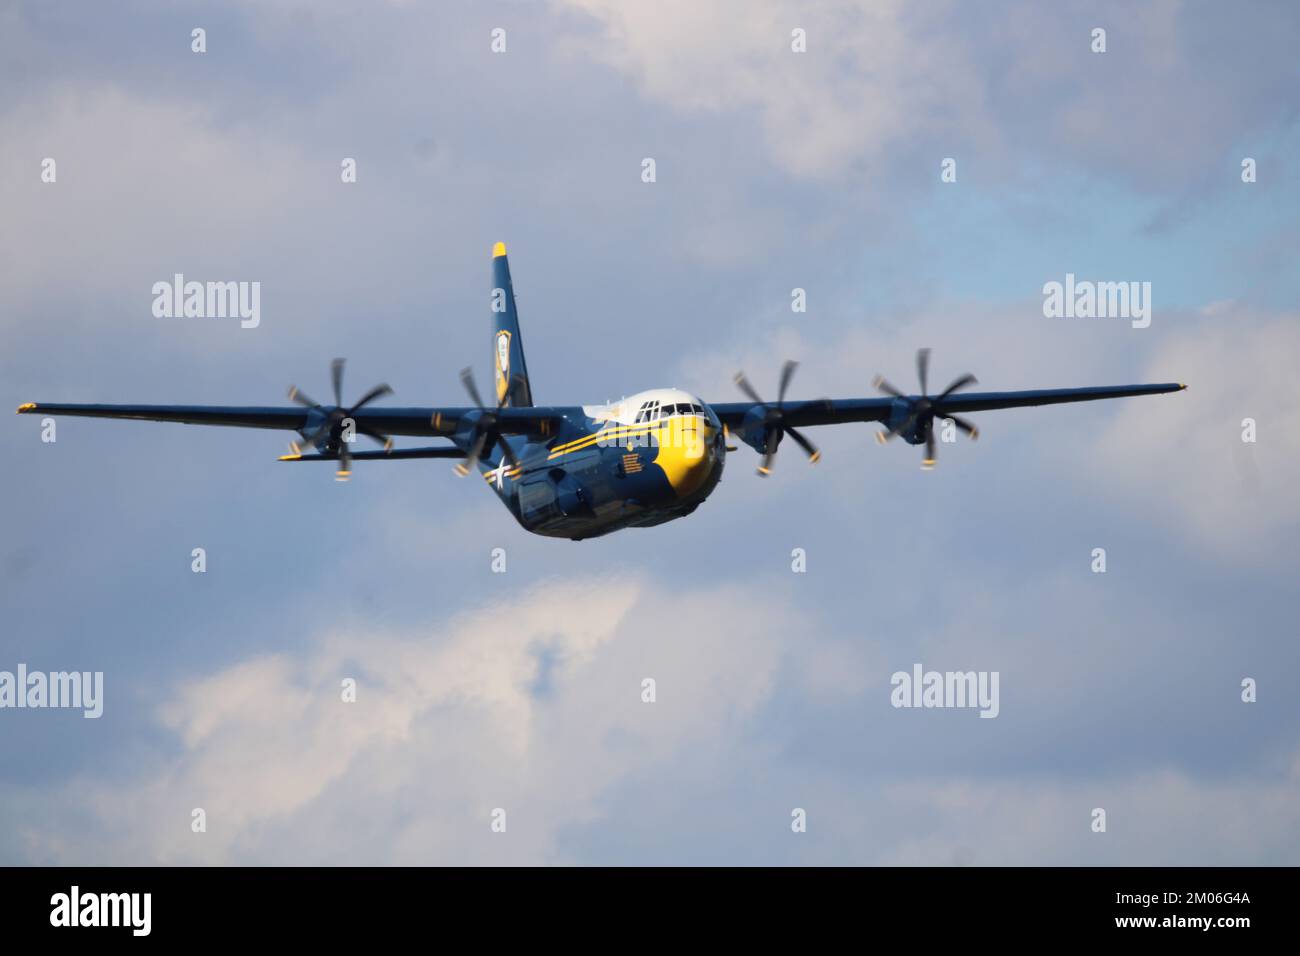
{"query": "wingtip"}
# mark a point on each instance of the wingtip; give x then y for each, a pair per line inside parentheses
(498, 250)
(290, 457)
(26, 407)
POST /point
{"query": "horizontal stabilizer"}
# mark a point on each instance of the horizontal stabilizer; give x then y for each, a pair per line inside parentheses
(444, 451)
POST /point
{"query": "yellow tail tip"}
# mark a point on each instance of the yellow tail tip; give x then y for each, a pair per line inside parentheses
(498, 250)
(25, 407)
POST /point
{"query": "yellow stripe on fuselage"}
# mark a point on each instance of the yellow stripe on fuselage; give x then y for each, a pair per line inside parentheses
(679, 458)
(607, 436)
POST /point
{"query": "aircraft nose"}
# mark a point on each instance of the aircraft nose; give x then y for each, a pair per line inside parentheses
(686, 454)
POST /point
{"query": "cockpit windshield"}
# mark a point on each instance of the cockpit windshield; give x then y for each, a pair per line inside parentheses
(654, 411)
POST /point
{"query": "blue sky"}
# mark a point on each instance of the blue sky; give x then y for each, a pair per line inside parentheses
(775, 170)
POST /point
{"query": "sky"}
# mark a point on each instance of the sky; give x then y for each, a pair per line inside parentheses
(521, 691)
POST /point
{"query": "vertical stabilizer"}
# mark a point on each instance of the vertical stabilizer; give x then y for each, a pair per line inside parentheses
(509, 371)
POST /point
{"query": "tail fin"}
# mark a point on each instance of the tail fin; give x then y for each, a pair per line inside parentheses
(509, 369)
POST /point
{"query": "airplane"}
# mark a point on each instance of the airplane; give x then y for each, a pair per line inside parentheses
(582, 471)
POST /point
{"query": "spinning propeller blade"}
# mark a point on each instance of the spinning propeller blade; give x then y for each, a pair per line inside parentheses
(774, 419)
(329, 435)
(922, 411)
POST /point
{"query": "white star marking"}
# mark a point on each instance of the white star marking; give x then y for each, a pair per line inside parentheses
(500, 472)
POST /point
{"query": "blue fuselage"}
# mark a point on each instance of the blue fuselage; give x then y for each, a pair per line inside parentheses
(596, 475)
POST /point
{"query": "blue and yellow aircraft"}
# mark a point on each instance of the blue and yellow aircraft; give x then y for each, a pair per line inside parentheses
(578, 472)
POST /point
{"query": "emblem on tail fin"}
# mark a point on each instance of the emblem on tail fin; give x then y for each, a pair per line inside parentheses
(503, 365)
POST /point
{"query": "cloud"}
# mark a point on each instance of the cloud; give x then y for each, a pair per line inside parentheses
(1188, 460)
(863, 85)
(1004, 85)
(531, 704)
(523, 690)
(123, 157)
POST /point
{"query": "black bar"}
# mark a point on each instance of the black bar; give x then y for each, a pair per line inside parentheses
(546, 907)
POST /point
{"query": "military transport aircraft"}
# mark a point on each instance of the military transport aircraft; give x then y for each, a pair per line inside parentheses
(582, 471)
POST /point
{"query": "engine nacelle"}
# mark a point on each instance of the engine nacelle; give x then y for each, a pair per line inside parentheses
(899, 412)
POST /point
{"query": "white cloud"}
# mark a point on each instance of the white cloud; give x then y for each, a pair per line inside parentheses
(139, 179)
(864, 84)
(999, 81)
(532, 704)
(1188, 460)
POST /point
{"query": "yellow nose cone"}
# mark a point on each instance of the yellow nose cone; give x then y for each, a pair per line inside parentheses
(685, 453)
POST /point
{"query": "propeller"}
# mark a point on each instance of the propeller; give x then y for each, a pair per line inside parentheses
(486, 429)
(331, 431)
(774, 419)
(922, 411)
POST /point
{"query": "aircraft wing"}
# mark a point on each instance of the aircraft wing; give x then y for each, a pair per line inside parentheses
(834, 411)
(425, 422)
